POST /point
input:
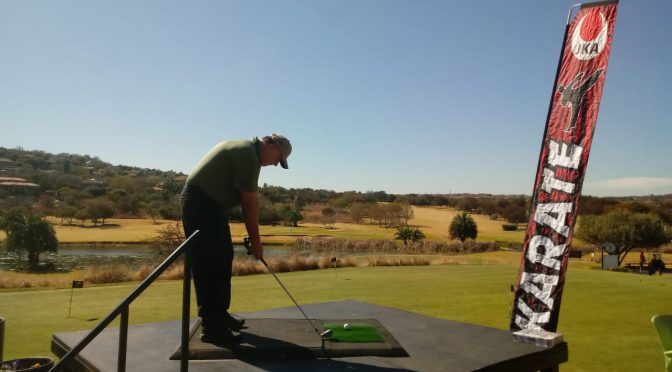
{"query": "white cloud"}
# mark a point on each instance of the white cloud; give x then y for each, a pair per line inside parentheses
(630, 186)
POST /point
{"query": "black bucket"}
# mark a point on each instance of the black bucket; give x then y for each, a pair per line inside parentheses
(36, 364)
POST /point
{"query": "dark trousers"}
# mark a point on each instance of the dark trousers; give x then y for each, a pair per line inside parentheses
(211, 256)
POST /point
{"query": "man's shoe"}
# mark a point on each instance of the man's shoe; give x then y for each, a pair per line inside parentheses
(233, 322)
(221, 336)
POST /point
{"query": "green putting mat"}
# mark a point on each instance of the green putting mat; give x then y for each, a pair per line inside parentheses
(356, 332)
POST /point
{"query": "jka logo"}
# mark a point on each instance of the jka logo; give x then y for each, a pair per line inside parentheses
(590, 36)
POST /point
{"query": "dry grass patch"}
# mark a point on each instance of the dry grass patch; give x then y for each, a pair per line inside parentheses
(12, 279)
(342, 246)
(108, 274)
(174, 272)
(115, 230)
(433, 221)
(410, 261)
(399, 261)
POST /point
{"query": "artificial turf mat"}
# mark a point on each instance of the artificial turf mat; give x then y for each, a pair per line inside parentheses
(357, 332)
(281, 339)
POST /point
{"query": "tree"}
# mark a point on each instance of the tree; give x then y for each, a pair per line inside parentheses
(169, 236)
(625, 229)
(339, 204)
(406, 212)
(170, 212)
(10, 218)
(291, 216)
(66, 212)
(392, 212)
(82, 215)
(463, 227)
(99, 209)
(152, 209)
(375, 213)
(328, 217)
(29, 233)
(409, 234)
(468, 204)
(515, 213)
(594, 205)
(170, 188)
(358, 211)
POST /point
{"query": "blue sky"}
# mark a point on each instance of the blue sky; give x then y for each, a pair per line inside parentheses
(400, 96)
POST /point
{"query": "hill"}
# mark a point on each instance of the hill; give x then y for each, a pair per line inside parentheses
(79, 187)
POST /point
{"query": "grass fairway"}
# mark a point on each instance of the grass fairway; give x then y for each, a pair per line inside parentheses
(141, 230)
(433, 221)
(605, 316)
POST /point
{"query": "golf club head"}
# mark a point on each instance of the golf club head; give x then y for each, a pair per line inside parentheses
(326, 334)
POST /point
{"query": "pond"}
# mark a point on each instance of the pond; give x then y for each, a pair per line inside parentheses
(80, 256)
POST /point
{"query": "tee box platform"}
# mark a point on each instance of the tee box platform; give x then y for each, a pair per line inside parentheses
(432, 344)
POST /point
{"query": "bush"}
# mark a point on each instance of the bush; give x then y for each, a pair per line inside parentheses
(509, 227)
(325, 262)
(399, 261)
(342, 246)
(169, 212)
(107, 274)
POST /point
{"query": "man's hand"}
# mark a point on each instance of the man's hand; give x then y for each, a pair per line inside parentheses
(250, 207)
(256, 250)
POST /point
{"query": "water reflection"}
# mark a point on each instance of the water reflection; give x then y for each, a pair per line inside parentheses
(80, 256)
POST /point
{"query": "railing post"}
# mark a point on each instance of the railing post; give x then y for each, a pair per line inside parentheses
(122, 309)
(123, 340)
(186, 302)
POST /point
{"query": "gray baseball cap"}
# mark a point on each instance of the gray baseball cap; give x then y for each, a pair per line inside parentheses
(284, 146)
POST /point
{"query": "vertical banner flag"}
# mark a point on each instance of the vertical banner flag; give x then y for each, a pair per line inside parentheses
(562, 166)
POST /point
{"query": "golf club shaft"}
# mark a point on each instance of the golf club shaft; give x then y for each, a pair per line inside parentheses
(290, 296)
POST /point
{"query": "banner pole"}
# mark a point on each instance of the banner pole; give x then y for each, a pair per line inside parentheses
(563, 158)
(543, 141)
(550, 104)
(569, 14)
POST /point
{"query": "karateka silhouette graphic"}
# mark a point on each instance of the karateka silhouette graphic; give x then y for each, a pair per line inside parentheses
(573, 94)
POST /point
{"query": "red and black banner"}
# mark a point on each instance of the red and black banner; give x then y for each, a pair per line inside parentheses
(562, 166)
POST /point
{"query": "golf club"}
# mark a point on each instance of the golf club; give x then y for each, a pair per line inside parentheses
(323, 335)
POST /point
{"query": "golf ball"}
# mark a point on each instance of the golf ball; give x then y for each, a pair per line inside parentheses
(346, 326)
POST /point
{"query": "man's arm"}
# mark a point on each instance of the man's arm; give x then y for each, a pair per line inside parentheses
(250, 206)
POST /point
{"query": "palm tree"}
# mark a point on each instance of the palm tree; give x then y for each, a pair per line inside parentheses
(407, 234)
(463, 227)
(10, 218)
(30, 233)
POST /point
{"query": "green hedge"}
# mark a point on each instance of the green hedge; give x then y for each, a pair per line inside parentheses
(509, 227)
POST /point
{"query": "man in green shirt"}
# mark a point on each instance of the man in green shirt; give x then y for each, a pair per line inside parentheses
(225, 178)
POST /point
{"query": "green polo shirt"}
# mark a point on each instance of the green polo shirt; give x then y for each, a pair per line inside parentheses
(227, 169)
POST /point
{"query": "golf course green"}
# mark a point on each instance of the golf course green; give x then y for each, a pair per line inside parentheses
(605, 316)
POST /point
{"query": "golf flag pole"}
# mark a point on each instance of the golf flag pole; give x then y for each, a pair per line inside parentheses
(75, 284)
(568, 134)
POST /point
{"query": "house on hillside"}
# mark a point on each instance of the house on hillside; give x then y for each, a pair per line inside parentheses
(94, 187)
(7, 166)
(94, 182)
(19, 186)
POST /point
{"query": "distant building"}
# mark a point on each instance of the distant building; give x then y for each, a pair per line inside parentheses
(93, 181)
(7, 165)
(19, 186)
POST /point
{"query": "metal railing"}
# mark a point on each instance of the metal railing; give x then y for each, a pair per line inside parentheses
(122, 309)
